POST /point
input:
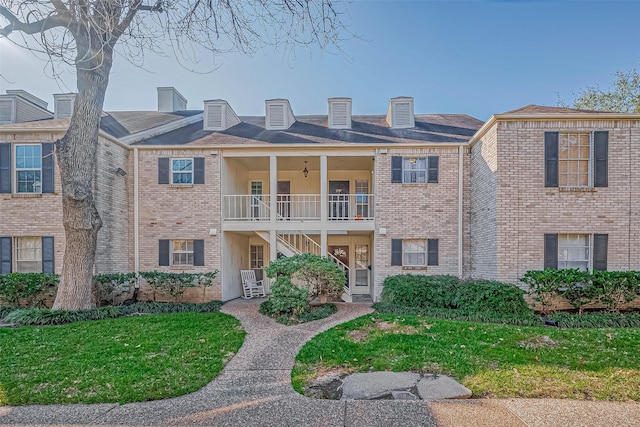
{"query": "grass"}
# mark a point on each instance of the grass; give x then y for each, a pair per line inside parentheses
(492, 360)
(120, 360)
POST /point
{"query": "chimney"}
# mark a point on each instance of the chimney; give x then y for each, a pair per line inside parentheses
(170, 100)
(18, 106)
(340, 113)
(400, 112)
(218, 115)
(63, 105)
(279, 115)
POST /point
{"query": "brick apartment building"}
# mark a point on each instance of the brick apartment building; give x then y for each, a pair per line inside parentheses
(197, 190)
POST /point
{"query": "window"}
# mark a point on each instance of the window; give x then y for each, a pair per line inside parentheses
(29, 168)
(414, 170)
(257, 256)
(362, 199)
(182, 171)
(414, 252)
(573, 251)
(28, 254)
(576, 159)
(181, 252)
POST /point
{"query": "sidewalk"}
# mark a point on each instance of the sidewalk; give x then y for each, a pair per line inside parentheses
(255, 389)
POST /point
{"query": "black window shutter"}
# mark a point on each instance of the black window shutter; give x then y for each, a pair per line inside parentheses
(432, 251)
(198, 253)
(600, 243)
(601, 154)
(551, 159)
(5, 255)
(396, 169)
(163, 258)
(5, 167)
(396, 251)
(198, 170)
(47, 167)
(432, 172)
(551, 251)
(48, 254)
(163, 171)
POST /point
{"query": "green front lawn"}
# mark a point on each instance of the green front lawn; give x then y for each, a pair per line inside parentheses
(490, 359)
(121, 360)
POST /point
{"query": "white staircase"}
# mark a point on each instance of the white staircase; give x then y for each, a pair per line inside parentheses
(289, 244)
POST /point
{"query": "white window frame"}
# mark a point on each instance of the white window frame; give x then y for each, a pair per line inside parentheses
(413, 163)
(406, 252)
(37, 184)
(181, 252)
(173, 171)
(19, 252)
(257, 262)
(590, 164)
(563, 238)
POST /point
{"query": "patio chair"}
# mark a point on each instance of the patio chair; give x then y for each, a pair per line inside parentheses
(250, 286)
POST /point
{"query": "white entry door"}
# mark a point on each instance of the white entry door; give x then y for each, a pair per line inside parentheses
(360, 284)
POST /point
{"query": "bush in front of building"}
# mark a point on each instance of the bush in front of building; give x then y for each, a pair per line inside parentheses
(610, 289)
(479, 298)
(26, 289)
(286, 299)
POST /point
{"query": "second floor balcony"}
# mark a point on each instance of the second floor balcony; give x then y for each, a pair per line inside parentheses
(299, 207)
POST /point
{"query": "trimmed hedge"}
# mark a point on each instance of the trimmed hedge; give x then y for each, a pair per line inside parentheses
(45, 316)
(467, 298)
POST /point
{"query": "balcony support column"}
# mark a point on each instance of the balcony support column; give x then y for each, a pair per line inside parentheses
(324, 200)
(273, 188)
(324, 248)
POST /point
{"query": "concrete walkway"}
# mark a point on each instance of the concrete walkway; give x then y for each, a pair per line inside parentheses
(255, 389)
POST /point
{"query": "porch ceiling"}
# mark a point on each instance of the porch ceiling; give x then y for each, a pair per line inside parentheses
(313, 163)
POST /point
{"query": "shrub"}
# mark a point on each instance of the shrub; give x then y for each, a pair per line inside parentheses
(175, 284)
(107, 287)
(44, 316)
(286, 299)
(26, 289)
(450, 293)
(598, 320)
(615, 288)
(319, 275)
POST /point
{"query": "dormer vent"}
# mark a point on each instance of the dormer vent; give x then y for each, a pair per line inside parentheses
(400, 113)
(170, 100)
(218, 115)
(18, 106)
(340, 113)
(278, 114)
(63, 105)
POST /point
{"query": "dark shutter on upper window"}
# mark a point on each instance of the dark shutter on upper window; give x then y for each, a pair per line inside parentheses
(164, 176)
(396, 169)
(5, 255)
(5, 167)
(551, 251)
(601, 154)
(198, 170)
(396, 251)
(48, 254)
(432, 251)
(163, 258)
(432, 169)
(600, 243)
(47, 167)
(551, 159)
(198, 253)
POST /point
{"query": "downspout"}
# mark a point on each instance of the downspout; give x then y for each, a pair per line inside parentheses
(136, 227)
(460, 206)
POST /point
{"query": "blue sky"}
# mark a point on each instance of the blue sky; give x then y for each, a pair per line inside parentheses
(472, 57)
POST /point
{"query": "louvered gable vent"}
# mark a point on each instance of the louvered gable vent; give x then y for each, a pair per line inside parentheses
(400, 113)
(278, 114)
(63, 105)
(6, 111)
(340, 113)
(218, 115)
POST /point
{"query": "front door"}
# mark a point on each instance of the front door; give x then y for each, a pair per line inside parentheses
(341, 253)
(361, 267)
(284, 199)
(338, 199)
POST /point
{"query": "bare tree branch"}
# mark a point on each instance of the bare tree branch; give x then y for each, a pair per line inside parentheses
(35, 27)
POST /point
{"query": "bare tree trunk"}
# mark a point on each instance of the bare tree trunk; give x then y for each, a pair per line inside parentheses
(77, 152)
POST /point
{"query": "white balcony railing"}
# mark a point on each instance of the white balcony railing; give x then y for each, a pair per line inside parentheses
(298, 207)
